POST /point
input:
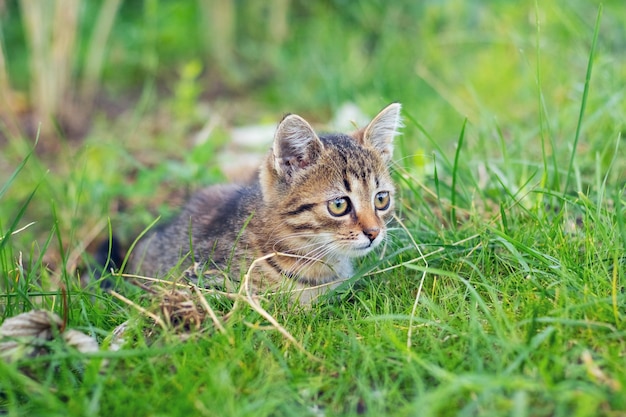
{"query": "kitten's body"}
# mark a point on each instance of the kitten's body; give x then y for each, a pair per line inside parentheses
(321, 200)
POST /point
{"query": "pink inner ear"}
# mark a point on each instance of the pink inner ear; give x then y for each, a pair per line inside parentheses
(296, 146)
(296, 162)
(291, 164)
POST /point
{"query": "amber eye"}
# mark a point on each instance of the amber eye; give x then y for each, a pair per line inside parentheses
(339, 206)
(382, 200)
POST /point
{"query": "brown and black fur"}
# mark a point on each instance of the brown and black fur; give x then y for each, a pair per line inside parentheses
(286, 212)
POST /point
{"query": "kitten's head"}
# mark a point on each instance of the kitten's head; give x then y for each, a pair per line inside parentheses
(332, 194)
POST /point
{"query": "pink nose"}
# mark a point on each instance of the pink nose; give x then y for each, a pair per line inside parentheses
(372, 233)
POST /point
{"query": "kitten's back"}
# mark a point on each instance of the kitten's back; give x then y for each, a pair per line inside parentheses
(209, 224)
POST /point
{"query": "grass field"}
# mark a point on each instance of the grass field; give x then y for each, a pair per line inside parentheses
(500, 292)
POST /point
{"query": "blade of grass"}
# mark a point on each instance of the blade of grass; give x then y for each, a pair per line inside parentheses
(19, 168)
(136, 241)
(615, 288)
(17, 218)
(455, 171)
(422, 129)
(583, 103)
(620, 213)
(470, 287)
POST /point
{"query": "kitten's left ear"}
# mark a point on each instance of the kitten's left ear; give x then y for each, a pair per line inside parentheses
(296, 146)
(382, 129)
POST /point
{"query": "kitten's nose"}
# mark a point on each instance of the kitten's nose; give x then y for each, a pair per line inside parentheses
(372, 233)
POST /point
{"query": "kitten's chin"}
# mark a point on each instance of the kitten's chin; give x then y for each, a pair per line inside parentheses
(358, 253)
(359, 250)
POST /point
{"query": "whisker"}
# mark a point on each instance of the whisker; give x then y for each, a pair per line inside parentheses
(301, 235)
(310, 247)
(315, 255)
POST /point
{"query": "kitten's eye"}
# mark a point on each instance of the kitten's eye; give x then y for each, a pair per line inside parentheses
(382, 200)
(339, 206)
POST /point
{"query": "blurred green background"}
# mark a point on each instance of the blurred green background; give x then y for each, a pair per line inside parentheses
(444, 60)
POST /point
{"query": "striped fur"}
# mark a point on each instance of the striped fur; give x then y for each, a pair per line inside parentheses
(288, 210)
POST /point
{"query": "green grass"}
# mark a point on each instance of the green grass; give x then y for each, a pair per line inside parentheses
(511, 180)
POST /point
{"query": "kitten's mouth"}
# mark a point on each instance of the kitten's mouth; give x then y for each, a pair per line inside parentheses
(364, 249)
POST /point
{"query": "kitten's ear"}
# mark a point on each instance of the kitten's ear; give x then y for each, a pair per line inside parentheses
(382, 129)
(296, 146)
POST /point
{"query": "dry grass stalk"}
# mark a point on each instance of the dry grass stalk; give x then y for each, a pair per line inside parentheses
(178, 284)
(256, 306)
(75, 255)
(21, 229)
(409, 335)
(139, 308)
(209, 310)
(178, 307)
(181, 306)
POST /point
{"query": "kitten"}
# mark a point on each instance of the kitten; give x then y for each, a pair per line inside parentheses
(318, 202)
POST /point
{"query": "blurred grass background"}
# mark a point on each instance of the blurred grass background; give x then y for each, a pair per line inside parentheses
(65, 62)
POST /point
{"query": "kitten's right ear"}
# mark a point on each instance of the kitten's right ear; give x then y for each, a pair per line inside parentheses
(296, 146)
(380, 132)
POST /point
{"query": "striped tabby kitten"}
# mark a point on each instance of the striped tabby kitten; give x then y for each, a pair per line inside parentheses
(318, 202)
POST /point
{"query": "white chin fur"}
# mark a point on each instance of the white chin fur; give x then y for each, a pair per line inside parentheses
(362, 247)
